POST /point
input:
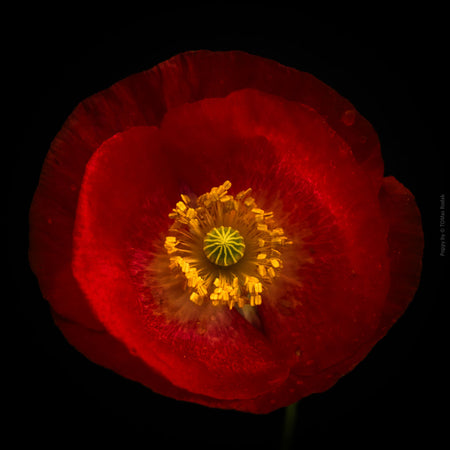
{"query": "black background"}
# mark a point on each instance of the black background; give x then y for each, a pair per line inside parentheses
(387, 63)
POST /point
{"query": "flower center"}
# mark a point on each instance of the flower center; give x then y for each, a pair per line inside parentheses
(218, 263)
(224, 246)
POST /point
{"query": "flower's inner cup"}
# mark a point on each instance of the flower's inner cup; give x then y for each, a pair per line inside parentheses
(226, 248)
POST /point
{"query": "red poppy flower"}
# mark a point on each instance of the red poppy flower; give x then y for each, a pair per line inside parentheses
(218, 228)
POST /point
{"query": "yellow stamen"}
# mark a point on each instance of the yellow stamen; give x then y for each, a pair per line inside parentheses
(275, 262)
(226, 248)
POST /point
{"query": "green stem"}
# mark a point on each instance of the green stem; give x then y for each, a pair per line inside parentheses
(289, 425)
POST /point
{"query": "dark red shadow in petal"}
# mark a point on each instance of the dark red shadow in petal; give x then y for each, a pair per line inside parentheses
(103, 349)
(206, 147)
